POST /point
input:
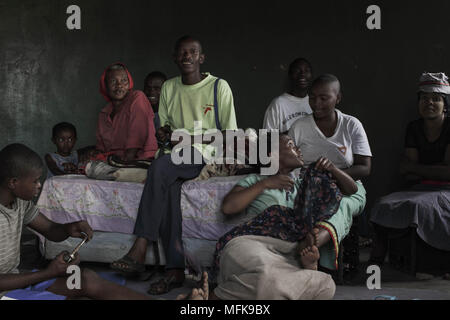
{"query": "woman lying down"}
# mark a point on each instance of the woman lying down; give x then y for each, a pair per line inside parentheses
(274, 255)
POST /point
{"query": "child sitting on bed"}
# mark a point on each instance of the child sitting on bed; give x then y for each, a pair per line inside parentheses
(20, 173)
(65, 159)
(152, 88)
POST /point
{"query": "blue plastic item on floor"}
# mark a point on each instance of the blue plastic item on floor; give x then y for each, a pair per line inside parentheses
(39, 291)
(385, 297)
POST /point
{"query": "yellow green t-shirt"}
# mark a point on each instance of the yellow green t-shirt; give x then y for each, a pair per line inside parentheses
(180, 105)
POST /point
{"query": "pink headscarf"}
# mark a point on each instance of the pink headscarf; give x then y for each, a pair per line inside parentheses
(104, 90)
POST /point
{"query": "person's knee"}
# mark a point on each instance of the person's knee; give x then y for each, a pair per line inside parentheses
(327, 289)
(90, 281)
(160, 165)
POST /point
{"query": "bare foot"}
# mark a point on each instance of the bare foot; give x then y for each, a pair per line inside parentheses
(311, 239)
(309, 257)
(198, 293)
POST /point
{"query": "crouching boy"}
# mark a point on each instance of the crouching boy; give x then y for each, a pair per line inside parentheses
(20, 172)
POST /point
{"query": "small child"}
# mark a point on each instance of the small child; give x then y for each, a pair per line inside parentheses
(152, 88)
(64, 160)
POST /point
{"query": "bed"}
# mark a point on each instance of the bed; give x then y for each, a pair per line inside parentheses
(111, 208)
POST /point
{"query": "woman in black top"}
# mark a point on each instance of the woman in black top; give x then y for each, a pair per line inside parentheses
(427, 162)
(427, 153)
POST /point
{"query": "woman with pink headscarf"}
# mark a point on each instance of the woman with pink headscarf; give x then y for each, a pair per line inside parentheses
(125, 125)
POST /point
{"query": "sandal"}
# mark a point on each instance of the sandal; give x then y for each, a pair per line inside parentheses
(164, 285)
(128, 265)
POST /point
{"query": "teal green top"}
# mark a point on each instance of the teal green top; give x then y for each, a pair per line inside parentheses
(349, 207)
(269, 197)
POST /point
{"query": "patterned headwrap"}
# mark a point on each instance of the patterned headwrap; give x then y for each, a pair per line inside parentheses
(434, 82)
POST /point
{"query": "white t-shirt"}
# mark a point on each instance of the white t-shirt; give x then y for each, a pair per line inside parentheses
(284, 110)
(348, 139)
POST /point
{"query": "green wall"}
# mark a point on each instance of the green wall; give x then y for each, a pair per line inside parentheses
(50, 74)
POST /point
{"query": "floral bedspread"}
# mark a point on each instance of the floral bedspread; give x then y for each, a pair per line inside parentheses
(200, 206)
(112, 206)
(106, 205)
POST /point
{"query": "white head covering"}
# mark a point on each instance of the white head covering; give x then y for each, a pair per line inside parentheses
(434, 82)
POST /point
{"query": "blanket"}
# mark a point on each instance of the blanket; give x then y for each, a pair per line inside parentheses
(115, 170)
(425, 207)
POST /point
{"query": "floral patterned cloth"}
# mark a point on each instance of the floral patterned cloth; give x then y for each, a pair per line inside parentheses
(317, 199)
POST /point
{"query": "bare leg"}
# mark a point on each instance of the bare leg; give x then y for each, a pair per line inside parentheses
(94, 287)
(312, 238)
(138, 250)
(322, 237)
(380, 245)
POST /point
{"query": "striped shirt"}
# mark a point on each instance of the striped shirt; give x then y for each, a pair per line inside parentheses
(11, 223)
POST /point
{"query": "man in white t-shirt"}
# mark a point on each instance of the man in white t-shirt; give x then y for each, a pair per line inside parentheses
(285, 109)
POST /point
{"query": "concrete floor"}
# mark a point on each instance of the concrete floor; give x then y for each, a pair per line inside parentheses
(394, 283)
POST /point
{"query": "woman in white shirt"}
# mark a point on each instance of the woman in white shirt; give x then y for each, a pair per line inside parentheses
(341, 138)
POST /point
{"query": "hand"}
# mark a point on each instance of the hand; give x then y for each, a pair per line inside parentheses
(163, 133)
(58, 267)
(74, 229)
(278, 181)
(70, 167)
(323, 164)
(406, 167)
(87, 153)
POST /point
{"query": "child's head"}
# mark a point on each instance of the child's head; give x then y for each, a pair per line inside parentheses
(324, 95)
(20, 171)
(64, 136)
(188, 55)
(152, 87)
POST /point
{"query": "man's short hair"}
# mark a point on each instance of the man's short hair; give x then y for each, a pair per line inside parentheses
(17, 160)
(184, 38)
(57, 128)
(326, 79)
(298, 60)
